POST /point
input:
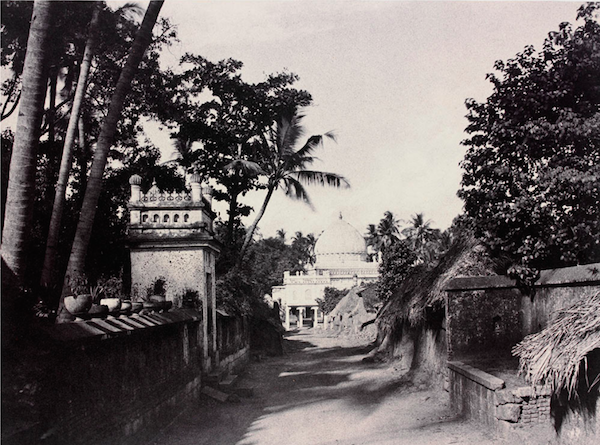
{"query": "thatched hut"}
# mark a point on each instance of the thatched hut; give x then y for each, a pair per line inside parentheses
(352, 311)
(412, 322)
(559, 355)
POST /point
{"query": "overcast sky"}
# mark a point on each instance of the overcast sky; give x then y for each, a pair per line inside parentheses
(389, 77)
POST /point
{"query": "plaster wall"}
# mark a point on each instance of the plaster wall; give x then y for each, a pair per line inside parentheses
(181, 269)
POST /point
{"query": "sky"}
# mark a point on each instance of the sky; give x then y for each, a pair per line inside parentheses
(390, 78)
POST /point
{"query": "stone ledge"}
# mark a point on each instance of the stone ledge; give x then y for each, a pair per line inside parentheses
(477, 375)
(102, 329)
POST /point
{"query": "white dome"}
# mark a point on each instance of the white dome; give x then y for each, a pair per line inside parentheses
(340, 243)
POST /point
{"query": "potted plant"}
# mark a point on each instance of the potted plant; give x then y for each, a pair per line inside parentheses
(81, 301)
(111, 291)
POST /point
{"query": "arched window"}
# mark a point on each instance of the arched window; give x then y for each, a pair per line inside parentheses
(176, 218)
(156, 218)
(186, 217)
(166, 218)
(145, 218)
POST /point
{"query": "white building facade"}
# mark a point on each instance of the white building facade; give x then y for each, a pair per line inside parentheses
(341, 262)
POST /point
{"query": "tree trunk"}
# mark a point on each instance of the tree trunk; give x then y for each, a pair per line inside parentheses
(252, 228)
(67, 155)
(83, 233)
(83, 156)
(231, 221)
(51, 113)
(21, 182)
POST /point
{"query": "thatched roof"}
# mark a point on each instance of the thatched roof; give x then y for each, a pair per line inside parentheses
(348, 303)
(425, 288)
(553, 356)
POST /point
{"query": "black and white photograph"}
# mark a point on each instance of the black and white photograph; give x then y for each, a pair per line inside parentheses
(300, 222)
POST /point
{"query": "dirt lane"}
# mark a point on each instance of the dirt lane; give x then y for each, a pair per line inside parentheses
(320, 392)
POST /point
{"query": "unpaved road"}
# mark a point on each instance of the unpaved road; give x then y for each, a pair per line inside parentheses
(320, 392)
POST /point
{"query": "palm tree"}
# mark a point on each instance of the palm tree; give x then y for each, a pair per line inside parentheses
(388, 230)
(285, 166)
(186, 155)
(420, 234)
(75, 267)
(67, 155)
(281, 234)
(21, 182)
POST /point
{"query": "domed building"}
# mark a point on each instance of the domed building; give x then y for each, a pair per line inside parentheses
(341, 262)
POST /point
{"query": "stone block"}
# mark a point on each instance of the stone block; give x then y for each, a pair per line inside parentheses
(523, 392)
(509, 412)
(505, 396)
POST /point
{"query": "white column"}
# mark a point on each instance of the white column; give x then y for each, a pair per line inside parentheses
(300, 317)
(315, 315)
(287, 317)
(196, 187)
(325, 322)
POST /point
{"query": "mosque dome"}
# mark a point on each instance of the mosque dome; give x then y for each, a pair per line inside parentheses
(340, 243)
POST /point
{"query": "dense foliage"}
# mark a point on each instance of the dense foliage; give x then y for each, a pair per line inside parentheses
(531, 179)
(242, 289)
(396, 263)
(218, 122)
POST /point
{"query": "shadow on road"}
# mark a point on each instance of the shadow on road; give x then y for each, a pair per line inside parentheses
(305, 396)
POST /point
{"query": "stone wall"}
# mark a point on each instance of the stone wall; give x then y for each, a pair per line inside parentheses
(492, 314)
(482, 396)
(486, 317)
(116, 381)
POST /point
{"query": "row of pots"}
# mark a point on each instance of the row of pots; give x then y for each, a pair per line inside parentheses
(84, 304)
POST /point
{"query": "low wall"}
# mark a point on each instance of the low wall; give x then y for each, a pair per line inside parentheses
(233, 342)
(116, 381)
(482, 396)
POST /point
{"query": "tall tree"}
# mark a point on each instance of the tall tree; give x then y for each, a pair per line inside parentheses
(48, 270)
(422, 237)
(21, 183)
(214, 110)
(285, 166)
(531, 178)
(143, 38)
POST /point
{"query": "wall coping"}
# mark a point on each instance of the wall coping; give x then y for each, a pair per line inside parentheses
(588, 274)
(477, 375)
(98, 329)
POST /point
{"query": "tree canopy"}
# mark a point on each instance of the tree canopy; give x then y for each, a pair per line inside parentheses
(531, 178)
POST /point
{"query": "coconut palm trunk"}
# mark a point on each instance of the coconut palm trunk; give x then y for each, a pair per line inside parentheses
(75, 267)
(67, 155)
(252, 228)
(21, 182)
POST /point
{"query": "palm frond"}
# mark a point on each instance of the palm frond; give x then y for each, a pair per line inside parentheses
(310, 177)
(295, 190)
(555, 355)
(247, 167)
(289, 131)
(314, 142)
(130, 10)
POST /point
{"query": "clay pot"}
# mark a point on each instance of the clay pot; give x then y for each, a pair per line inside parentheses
(114, 304)
(98, 311)
(126, 305)
(157, 299)
(78, 304)
(136, 307)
